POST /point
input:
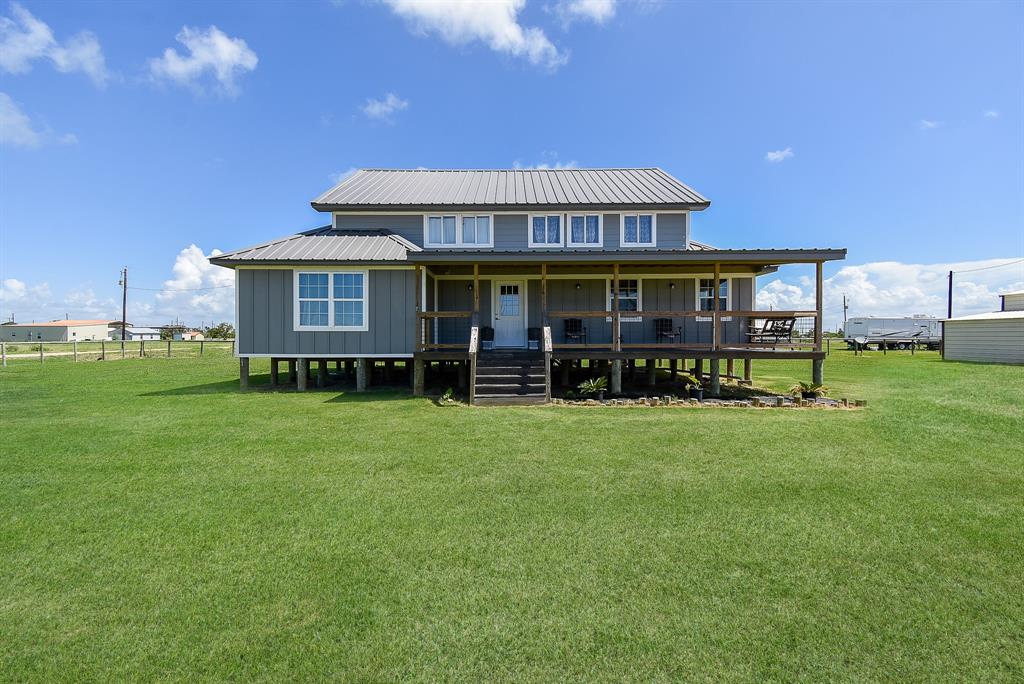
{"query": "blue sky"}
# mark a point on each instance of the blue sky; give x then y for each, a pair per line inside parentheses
(148, 134)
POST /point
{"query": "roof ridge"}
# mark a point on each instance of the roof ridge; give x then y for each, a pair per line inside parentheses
(574, 168)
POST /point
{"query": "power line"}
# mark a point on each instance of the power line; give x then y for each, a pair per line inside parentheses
(985, 268)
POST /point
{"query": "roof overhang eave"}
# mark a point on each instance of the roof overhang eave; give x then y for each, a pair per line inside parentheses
(764, 258)
(505, 208)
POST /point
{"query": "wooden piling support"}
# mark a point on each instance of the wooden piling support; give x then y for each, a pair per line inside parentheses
(321, 373)
(243, 372)
(563, 372)
(362, 374)
(672, 370)
(716, 378)
(273, 373)
(291, 371)
(302, 374)
(651, 370)
(616, 384)
(730, 368)
(817, 371)
(418, 371)
(462, 375)
(748, 371)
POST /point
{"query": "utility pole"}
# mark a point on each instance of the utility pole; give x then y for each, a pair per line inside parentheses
(846, 306)
(124, 299)
(949, 297)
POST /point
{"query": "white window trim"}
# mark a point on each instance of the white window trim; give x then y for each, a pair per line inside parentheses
(639, 299)
(545, 245)
(330, 327)
(638, 245)
(568, 229)
(728, 295)
(458, 244)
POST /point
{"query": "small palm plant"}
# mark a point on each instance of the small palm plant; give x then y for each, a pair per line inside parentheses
(593, 387)
(809, 390)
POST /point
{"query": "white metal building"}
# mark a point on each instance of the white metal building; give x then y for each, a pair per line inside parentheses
(996, 337)
(55, 331)
(142, 334)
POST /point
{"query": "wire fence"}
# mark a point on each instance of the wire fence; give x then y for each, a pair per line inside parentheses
(104, 350)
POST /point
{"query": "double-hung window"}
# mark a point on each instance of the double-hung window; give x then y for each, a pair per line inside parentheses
(706, 294)
(333, 300)
(638, 230)
(546, 230)
(585, 230)
(629, 298)
(476, 230)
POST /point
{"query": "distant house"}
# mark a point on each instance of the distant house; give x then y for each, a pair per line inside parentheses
(996, 337)
(189, 335)
(57, 331)
(141, 334)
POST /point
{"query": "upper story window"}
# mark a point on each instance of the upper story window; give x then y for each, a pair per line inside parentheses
(706, 294)
(638, 230)
(333, 300)
(457, 230)
(546, 231)
(585, 230)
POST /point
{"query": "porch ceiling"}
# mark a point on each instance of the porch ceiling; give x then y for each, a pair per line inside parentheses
(749, 257)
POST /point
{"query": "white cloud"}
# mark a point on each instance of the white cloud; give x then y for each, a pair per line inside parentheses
(17, 129)
(890, 288)
(928, 125)
(25, 39)
(779, 155)
(198, 290)
(384, 109)
(210, 52)
(597, 11)
(495, 23)
(991, 114)
(15, 126)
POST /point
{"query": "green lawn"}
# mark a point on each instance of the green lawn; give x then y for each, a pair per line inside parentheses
(157, 524)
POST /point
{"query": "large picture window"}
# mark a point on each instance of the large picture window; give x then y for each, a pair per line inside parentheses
(585, 230)
(331, 300)
(546, 231)
(638, 230)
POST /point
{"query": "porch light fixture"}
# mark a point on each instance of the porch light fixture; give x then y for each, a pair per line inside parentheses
(671, 286)
(578, 286)
(470, 287)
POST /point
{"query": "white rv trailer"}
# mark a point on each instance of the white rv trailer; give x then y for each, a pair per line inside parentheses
(894, 333)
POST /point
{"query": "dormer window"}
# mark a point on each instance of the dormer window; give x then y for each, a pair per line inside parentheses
(638, 230)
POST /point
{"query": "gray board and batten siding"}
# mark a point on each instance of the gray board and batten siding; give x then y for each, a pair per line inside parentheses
(266, 317)
(511, 231)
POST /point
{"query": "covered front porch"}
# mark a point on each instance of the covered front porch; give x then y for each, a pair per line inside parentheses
(606, 313)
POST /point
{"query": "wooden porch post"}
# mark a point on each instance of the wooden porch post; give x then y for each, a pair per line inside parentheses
(716, 377)
(818, 296)
(476, 294)
(418, 373)
(543, 295)
(419, 307)
(748, 371)
(616, 341)
(716, 342)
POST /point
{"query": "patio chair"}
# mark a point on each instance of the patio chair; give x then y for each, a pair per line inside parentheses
(664, 332)
(575, 331)
(773, 331)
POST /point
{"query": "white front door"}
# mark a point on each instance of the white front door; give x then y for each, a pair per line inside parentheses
(509, 313)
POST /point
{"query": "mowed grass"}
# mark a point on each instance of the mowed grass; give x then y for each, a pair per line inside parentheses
(157, 524)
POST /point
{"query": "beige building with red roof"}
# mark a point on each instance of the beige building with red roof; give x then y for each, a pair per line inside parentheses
(56, 331)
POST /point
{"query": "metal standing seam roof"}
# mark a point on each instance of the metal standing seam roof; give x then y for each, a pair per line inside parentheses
(510, 188)
(326, 244)
(59, 323)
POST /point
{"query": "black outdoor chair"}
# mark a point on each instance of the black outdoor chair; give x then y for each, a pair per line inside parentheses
(575, 331)
(773, 331)
(664, 332)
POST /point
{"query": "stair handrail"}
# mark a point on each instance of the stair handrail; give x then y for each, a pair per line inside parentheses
(547, 362)
(474, 345)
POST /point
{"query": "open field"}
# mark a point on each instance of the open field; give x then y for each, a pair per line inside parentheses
(156, 523)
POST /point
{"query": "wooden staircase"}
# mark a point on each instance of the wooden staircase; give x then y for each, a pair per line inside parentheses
(508, 378)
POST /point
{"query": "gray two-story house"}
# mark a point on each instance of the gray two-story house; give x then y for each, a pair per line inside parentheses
(508, 272)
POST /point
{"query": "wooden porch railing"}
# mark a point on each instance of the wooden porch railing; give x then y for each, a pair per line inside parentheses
(717, 319)
(425, 329)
